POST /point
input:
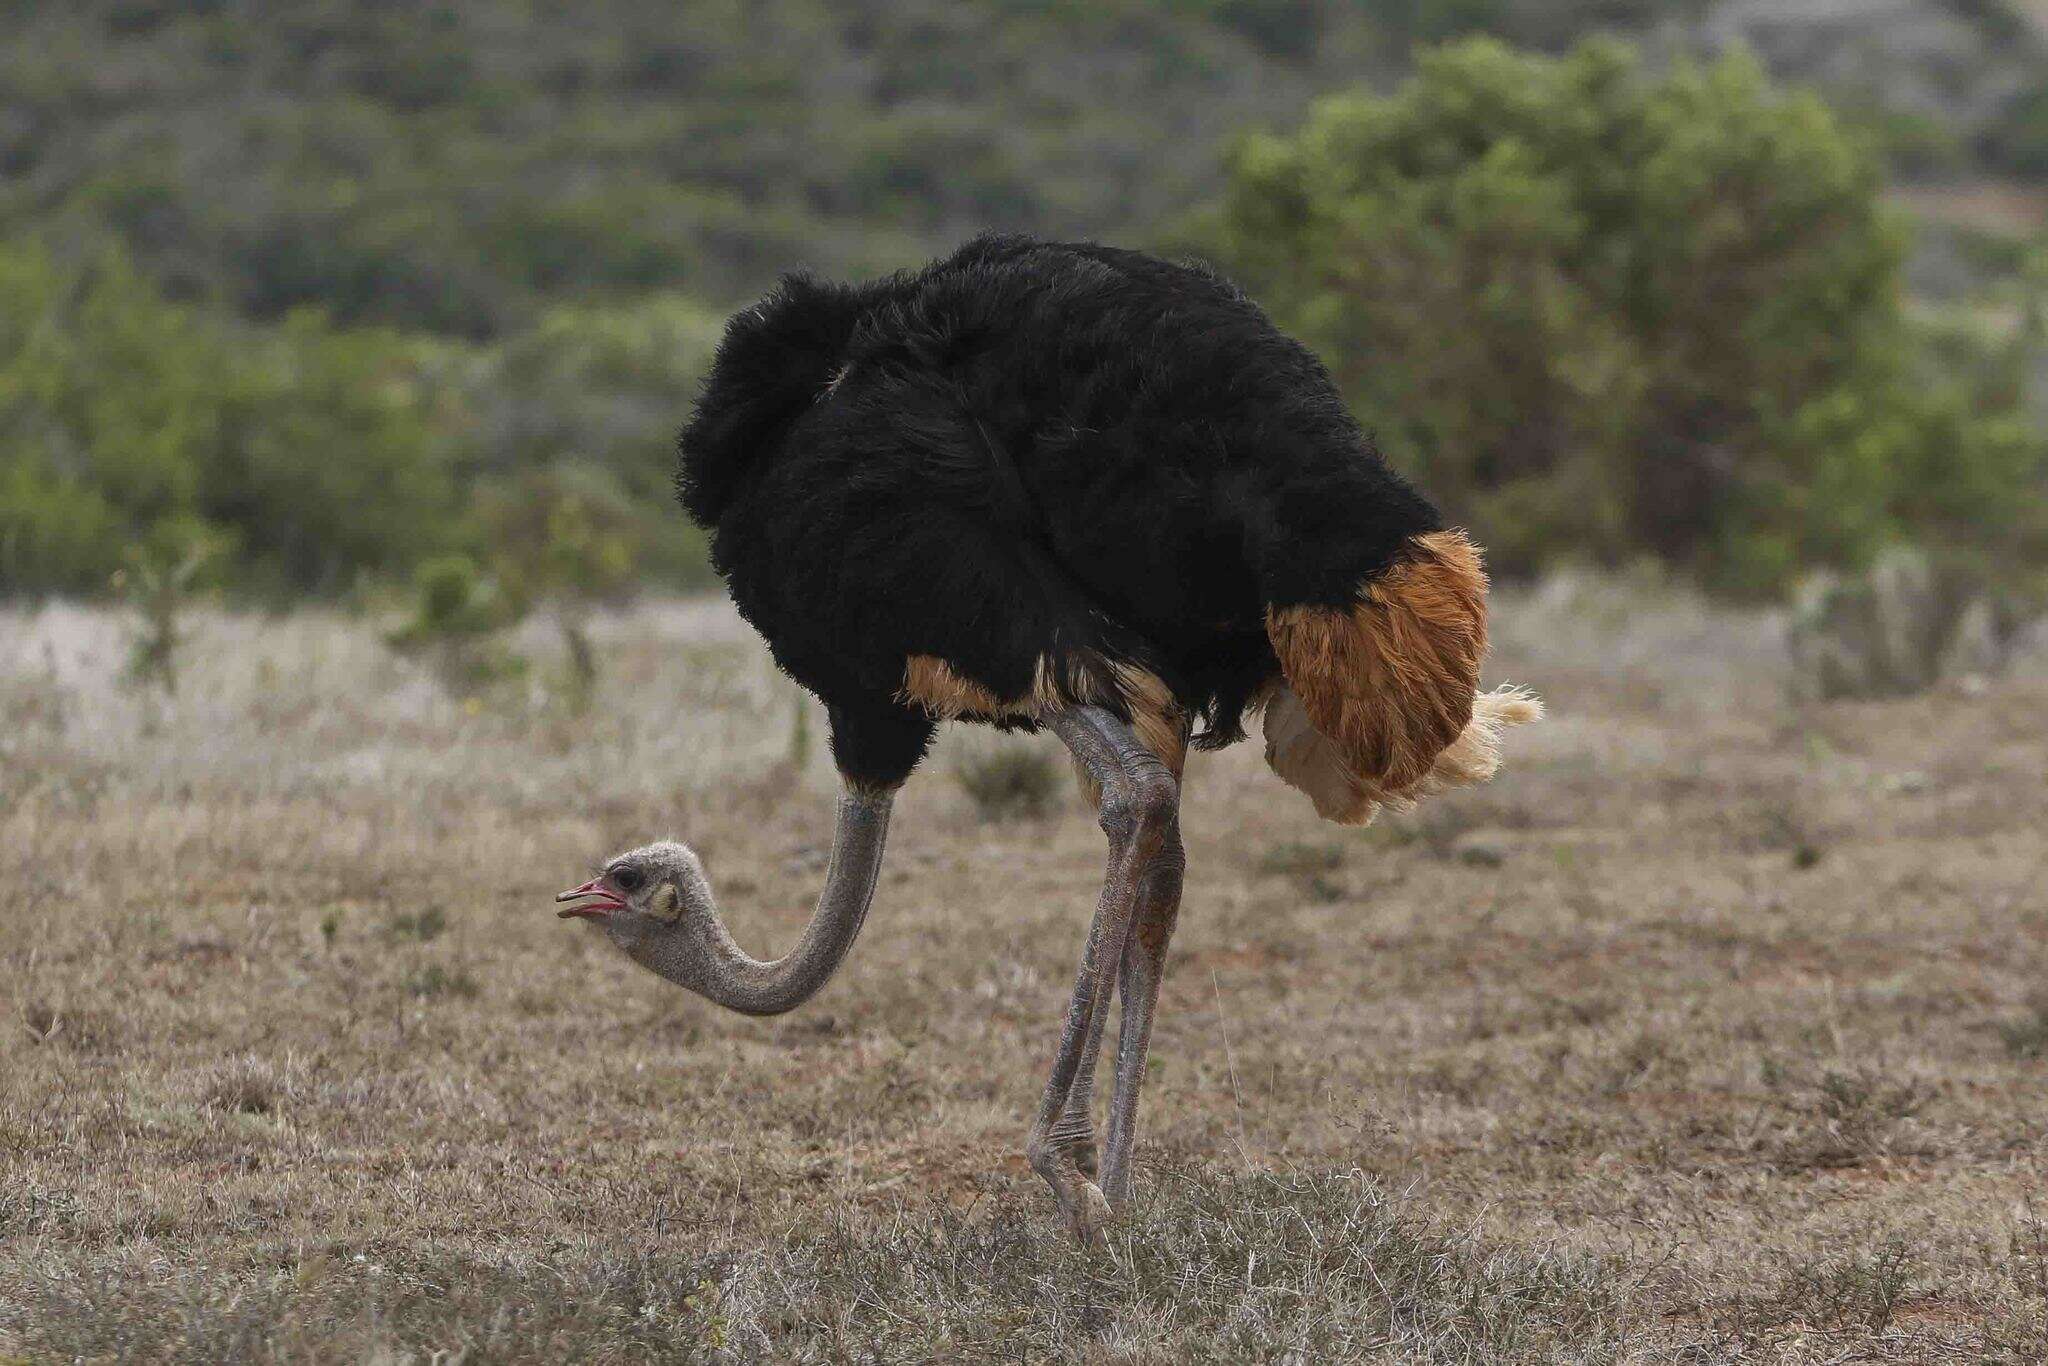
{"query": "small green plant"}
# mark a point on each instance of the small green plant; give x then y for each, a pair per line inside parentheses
(709, 1315)
(160, 580)
(1436, 827)
(435, 980)
(587, 555)
(1309, 865)
(1633, 1062)
(1860, 1114)
(568, 537)
(580, 687)
(424, 926)
(1903, 624)
(1009, 780)
(1856, 1097)
(458, 613)
(42, 1020)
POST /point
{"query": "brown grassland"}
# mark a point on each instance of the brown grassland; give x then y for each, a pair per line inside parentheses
(1715, 1030)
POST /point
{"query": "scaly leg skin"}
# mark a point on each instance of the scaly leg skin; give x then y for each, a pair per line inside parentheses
(1144, 965)
(1138, 814)
(1142, 970)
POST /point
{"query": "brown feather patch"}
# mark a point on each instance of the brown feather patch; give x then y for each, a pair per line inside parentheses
(931, 683)
(1389, 682)
(1156, 718)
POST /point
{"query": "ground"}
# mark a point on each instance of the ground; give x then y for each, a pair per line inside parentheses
(1714, 1030)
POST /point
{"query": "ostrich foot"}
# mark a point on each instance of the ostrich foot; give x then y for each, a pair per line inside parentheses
(1088, 1214)
(1082, 1204)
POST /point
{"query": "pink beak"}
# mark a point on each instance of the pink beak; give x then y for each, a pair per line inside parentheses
(590, 910)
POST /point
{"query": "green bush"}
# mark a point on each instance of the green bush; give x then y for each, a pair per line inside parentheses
(1007, 779)
(159, 581)
(578, 413)
(2018, 142)
(1603, 313)
(458, 613)
(312, 454)
(457, 168)
(565, 534)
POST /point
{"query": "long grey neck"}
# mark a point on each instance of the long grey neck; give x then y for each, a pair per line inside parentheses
(702, 956)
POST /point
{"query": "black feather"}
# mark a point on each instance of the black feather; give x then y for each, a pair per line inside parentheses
(1029, 450)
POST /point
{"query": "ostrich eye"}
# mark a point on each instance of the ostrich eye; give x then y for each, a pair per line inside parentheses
(629, 878)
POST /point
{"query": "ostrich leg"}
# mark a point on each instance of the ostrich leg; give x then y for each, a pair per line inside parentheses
(1138, 814)
(1144, 965)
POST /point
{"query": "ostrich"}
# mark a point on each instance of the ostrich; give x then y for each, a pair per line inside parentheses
(1066, 487)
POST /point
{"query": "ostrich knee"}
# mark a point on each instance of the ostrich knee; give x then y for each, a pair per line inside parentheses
(1141, 813)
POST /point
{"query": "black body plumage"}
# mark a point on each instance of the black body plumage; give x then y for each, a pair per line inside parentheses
(1028, 451)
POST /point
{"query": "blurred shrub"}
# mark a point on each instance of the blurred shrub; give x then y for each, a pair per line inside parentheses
(458, 613)
(160, 579)
(567, 536)
(1600, 312)
(2018, 141)
(456, 168)
(1432, 21)
(126, 420)
(1009, 780)
(584, 406)
(311, 456)
(1899, 627)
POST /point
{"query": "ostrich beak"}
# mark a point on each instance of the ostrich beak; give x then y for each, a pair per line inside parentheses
(590, 910)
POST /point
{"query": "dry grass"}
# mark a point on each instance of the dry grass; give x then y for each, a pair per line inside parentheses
(1712, 1031)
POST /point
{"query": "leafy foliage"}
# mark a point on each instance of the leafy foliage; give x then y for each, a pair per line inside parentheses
(340, 283)
(160, 579)
(128, 420)
(571, 544)
(457, 616)
(455, 168)
(573, 449)
(309, 455)
(1603, 313)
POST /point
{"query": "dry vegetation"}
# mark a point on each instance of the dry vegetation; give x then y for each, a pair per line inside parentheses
(1716, 1030)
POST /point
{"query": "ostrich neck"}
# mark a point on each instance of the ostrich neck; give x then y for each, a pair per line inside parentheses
(704, 958)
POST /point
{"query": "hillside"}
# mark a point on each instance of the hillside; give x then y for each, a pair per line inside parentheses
(326, 288)
(445, 166)
(449, 167)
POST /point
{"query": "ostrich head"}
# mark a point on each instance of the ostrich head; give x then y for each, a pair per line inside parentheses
(656, 905)
(640, 898)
